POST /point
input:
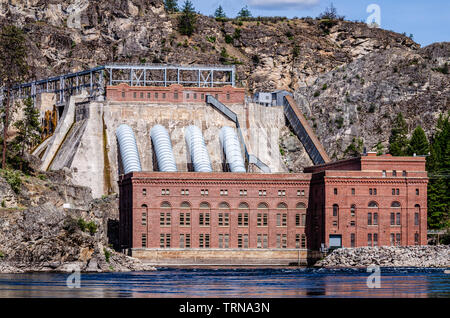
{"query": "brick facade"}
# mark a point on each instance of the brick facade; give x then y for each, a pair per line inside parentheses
(174, 94)
(278, 211)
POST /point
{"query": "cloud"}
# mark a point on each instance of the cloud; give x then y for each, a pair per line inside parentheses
(282, 4)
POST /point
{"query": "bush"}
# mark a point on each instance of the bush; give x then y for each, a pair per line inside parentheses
(255, 59)
(339, 122)
(2, 255)
(107, 254)
(372, 109)
(70, 225)
(13, 178)
(211, 39)
(84, 226)
(228, 39)
(316, 94)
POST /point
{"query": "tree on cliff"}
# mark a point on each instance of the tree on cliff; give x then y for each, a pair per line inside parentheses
(171, 6)
(28, 128)
(418, 144)
(398, 141)
(187, 19)
(438, 167)
(13, 70)
(244, 13)
(220, 14)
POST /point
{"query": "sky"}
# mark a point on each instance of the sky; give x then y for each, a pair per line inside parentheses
(427, 20)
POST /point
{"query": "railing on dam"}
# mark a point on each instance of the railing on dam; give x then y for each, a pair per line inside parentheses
(233, 117)
(304, 132)
(95, 79)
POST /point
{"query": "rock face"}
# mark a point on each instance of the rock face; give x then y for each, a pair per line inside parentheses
(59, 226)
(389, 256)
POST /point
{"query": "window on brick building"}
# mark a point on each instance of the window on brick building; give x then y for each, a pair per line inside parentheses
(144, 240)
(242, 219)
(303, 245)
(217, 96)
(352, 223)
(223, 192)
(224, 240)
(134, 95)
(243, 193)
(375, 239)
(149, 95)
(301, 193)
(353, 191)
(417, 191)
(394, 173)
(144, 192)
(224, 219)
(375, 218)
(416, 238)
(203, 240)
(175, 95)
(335, 210)
(165, 192)
(281, 193)
(204, 192)
(335, 191)
(228, 96)
(185, 218)
(156, 95)
(404, 174)
(203, 219)
(369, 218)
(335, 223)
(353, 210)
(141, 95)
(203, 96)
(182, 241)
(352, 240)
(416, 214)
(398, 239)
(164, 219)
(164, 240)
(397, 218)
(123, 94)
(392, 239)
(373, 191)
(144, 218)
(262, 193)
(369, 239)
(164, 95)
(392, 218)
(383, 173)
(184, 191)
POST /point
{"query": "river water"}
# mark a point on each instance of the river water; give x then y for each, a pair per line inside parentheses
(233, 282)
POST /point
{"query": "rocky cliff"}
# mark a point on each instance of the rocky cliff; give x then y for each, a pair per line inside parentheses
(350, 80)
(49, 224)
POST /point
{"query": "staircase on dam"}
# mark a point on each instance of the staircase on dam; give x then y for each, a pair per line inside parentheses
(304, 132)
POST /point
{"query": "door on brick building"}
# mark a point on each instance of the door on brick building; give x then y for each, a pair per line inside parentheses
(335, 241)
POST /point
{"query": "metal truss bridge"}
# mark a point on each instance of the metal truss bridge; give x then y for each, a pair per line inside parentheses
(95, 79)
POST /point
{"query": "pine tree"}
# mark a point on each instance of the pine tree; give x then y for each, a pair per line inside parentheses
(28, 128)
(187, 20)
(438, 167)
(220, 14)
(418, 144)
(13, 70)
(244, 13)
(171, 6)
(398, 141)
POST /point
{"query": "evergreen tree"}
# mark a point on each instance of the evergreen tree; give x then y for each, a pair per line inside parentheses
(28, 128)
(398, 141)
(220, 14)
(418, 144)
(244, 13)
(171, 6)
(187, 20)
(438, 167)
(13, 70)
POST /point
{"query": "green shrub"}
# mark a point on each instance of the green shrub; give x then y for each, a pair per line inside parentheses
(316, 93)
(3, 204)
(211, 39)
(237, 33)
(339, 122)
(42, 177)
(255, 59)
(82, 224)
(228, 39)
(92, 227)
(372, 109)
(13, 178)
(107, 254)
(296, 51)
(2, 255)
(324, 87)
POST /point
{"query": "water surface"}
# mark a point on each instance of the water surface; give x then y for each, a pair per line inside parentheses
(232, 282)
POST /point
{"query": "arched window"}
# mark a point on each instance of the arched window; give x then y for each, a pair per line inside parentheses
(224, 205)
(417, 208)
(282, 206)
(243, 205)
(263, 206)
(396, 204)
(166, 205)
(335, 210)
(301, 205)
(373, 204)
(185, 205)
(205, 205)
(144, 206)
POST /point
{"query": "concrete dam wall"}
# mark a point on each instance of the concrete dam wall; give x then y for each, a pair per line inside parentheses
(88, 144)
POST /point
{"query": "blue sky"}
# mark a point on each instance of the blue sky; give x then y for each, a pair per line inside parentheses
(427, 20)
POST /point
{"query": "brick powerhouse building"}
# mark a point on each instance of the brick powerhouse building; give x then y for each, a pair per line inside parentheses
(274, 218)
